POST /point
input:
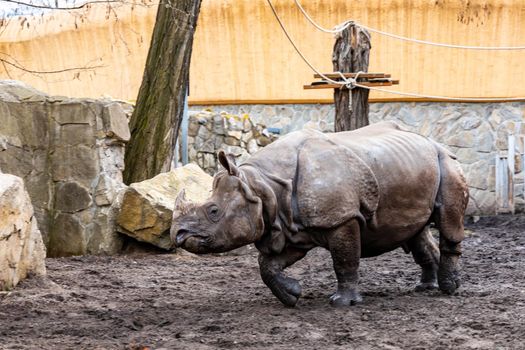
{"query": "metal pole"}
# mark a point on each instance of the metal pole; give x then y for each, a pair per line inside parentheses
(184, 131)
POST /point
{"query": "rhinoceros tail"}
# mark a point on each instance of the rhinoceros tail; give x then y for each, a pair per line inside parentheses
(442, 151)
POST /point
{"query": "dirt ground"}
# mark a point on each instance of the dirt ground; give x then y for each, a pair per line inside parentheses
(182, 301)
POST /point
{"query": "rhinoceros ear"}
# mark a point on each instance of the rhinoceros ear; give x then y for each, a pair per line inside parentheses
(228, 162)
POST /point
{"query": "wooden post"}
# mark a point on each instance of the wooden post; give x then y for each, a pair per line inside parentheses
(351, 54)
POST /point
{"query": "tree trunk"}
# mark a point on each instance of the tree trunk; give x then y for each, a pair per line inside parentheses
(350, 55)
(158, 113)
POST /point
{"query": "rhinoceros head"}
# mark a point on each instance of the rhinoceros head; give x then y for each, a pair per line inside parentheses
(231, 218)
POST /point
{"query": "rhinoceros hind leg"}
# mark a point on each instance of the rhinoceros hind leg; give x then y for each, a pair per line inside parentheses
(452, 199)
(345, 247)
(286, 289)
(426, 254)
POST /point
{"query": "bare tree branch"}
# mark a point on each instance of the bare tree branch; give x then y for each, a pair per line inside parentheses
(29, 4)
(32, 71)
(7, 71)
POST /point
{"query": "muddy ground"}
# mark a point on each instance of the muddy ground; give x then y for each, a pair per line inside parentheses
(183, 301)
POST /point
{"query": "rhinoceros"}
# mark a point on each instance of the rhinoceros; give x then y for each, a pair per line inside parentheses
(358, 194)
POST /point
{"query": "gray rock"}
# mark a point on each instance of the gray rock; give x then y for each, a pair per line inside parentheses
(71, 197)
(75, 134)
(102, 238)
(79, 163)
(485, 138)
(67, 236)
(235, 150)
(470, 123)
(72, 112)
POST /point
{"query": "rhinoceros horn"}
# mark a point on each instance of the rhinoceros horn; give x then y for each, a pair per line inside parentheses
(181, 204)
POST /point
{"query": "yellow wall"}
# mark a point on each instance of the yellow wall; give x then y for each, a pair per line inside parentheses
(241, 55)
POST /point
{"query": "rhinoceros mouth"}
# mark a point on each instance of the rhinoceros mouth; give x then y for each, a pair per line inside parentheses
(183, 235)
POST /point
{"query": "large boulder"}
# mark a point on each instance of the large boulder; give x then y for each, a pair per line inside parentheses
(70, 153)
(22, 251)
(146, 210)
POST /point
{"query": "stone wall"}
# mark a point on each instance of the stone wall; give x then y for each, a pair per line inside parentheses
(476, 132)
(70, 153)
(209, 132)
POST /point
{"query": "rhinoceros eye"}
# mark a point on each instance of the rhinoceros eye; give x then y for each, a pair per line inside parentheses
(213, 213)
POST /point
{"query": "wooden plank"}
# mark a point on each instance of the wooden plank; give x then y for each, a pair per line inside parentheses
(380, 80)
(322, 85)
(352, 75)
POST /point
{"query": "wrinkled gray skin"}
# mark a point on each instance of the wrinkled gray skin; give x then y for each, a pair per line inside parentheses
(358, 194)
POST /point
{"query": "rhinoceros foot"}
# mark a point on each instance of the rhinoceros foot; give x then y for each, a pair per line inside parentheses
(345, 298)
(286, 289)
(448, 282)
(424, 286)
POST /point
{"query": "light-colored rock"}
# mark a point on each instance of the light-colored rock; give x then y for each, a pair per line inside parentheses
(247, 136)
(106, 190)
(461, 139)
(13, 90)
(116, 122)
(237, 134)
(147, 206)
(232, 141)
(209, 161)
(485, 138)
(252, 146)
(482, 201)
(22, 251)
(467, 155)
(477, 174)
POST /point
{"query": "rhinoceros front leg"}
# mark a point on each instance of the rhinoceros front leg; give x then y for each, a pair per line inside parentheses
(345, 247)
(286, 289)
